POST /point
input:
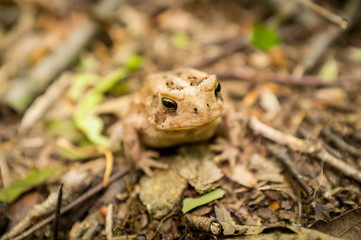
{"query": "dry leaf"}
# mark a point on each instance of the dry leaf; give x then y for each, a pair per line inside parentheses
(224, 217)
(240, 174)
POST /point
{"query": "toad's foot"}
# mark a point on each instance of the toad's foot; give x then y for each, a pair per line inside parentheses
(146, 162)
(228, 152)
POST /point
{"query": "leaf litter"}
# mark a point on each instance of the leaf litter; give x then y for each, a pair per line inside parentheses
(299, 162)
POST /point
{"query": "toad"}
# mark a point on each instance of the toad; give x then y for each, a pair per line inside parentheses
(172, 108)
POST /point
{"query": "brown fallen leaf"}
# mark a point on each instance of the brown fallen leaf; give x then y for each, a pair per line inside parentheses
(346, 226)
(265, 169)
(201, 174)
(225, 219)
(240, 174)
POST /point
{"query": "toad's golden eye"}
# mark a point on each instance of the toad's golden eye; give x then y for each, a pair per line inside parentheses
(218, 89)
(169, 104)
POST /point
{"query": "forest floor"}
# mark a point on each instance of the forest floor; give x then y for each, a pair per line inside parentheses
(293, 74)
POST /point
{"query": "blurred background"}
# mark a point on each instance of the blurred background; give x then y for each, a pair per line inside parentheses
(289, 63)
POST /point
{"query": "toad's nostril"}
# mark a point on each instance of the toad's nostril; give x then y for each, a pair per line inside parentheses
(195, 110)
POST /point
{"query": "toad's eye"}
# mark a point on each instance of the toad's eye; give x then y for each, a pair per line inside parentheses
(169, 105)
(218, 89)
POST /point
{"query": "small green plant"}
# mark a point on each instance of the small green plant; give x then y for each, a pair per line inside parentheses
(264, 37)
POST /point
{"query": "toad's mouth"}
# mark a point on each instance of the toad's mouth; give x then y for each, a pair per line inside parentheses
(175, 127)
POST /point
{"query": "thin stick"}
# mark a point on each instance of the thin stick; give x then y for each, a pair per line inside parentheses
(109, 222)
(335, 19)
(288, 140)
(321, 41)
(337, 163)
(82, 198)
(38, 78)
(40, 106)
(310, 147)
(286, 161)
(340, 142)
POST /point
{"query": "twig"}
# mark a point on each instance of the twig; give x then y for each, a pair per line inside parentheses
(79, 200)
(288, 140)
(310, 147)
(25, 89)
(285, 159)
(337, 163)
(318, 43)
(43, 73)
(42, 103)
(340, 142)
(307, 80)
(334, 161)
(109, 222)
(322, 40)
(57, 213)
(342, 23)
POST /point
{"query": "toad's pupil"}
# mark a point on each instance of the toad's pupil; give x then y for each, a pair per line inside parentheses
(168, 104)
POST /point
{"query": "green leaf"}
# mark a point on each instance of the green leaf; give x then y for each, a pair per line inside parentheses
(86, 105)
(91, 125)
(80, 82)
(19, 186)
(180, 40)
(110, 80)
(264, 37)
(191, 203)
(134, 62)
(329, 70)
(119, 89)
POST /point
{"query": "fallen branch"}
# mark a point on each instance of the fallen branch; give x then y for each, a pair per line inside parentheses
(323, 39)
(342, 23)
(25, 89)
(309, 146)
(340, 143)
(286, 161)
(288, 140)
(44, 102)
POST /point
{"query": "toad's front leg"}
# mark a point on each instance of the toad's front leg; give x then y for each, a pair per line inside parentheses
(144, 159)
(228, 148)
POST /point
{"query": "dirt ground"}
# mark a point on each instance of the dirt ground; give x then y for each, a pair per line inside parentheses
(291, 71)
